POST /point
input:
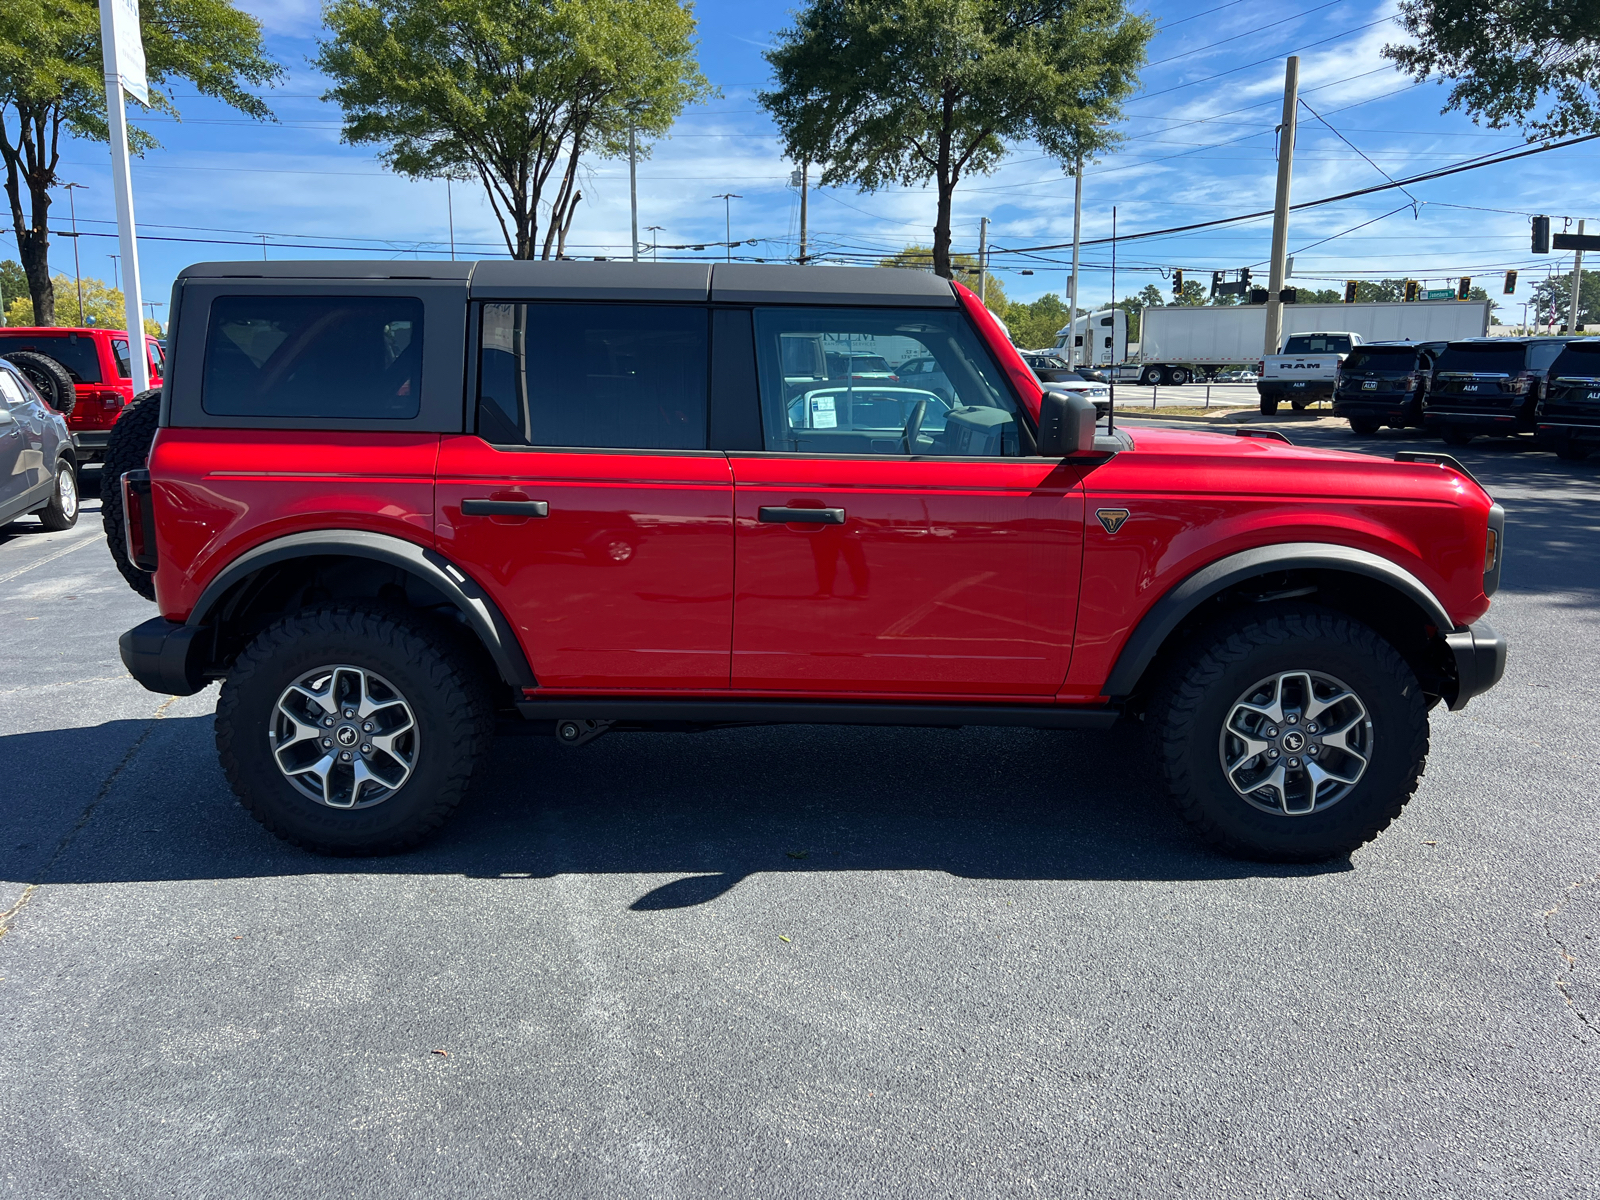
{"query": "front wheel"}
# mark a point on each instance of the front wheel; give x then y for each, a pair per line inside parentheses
(1151, 376)
(1293, 734)
(352, 729)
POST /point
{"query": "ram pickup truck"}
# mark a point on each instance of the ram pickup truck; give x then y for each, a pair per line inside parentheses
(394, 505)
(1306, 371)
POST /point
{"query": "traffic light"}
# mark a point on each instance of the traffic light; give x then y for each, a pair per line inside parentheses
(1244, 277)
(1511, 282)
(1216, 282)
(1463, 287)
(1177, 282)
(1411, 289)
(1349, 291)
(1541, 235)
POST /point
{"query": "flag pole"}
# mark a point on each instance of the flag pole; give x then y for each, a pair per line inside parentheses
(122, 47)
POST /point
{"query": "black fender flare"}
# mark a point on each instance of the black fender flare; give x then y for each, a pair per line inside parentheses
(1148, 636)
(482, 615)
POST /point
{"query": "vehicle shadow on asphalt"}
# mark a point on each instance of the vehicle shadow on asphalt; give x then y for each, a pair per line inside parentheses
(708, 809)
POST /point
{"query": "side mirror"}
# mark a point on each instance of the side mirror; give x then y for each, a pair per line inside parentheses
(1066, 424)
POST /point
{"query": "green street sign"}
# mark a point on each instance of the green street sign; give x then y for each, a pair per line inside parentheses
(1439, 294)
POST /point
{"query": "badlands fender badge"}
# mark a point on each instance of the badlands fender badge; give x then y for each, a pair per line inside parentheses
(1112, 518)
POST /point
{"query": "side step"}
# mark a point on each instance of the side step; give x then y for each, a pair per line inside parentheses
(817, 712)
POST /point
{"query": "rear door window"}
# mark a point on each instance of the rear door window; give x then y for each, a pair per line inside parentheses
(594, 376)
(1483, 358)
(119, 347)
(956, 404)
(1578, 361)
(1382, 358)
(349, 357)
(77, 354)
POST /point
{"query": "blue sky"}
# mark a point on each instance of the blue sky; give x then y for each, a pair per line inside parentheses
(1199, 146)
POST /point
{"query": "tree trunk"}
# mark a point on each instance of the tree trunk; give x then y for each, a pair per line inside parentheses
(566, 224)
(946, 181)
(33, 240)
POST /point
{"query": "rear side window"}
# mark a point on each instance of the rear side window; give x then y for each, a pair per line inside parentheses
(1580, 360)
(1317, 343)
(77, 354)
(1382, 358)
(119, 347)
(1483, 358)
(350, 357)
(594, 376)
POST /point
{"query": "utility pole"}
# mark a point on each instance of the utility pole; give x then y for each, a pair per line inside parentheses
(1577, 285)
(727, 199)
(805, 179)
(116, 270)
(77, 272)
(1280, 207)
(633, 186)
(450, 216)
(983, 257)
(1077, 229)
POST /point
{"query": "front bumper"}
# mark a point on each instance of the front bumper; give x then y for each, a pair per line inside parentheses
(166, 656)
(1480, 655)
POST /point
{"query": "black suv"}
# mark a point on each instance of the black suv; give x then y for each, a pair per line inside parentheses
(1385, 383)
(1489, 385)
(1569, 412)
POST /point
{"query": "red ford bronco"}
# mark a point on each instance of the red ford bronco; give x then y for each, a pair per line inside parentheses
(390, 503)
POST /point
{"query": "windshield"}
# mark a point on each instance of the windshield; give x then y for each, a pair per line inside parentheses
(1484, 358)
(1382, 358)
(76, 354)
(1318, 343)
(1578, 361)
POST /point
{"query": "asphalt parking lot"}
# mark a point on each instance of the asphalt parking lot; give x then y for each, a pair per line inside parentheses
(800, 962)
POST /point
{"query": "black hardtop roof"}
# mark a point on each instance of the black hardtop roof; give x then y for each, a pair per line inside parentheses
(731, 283)
(1520, 340)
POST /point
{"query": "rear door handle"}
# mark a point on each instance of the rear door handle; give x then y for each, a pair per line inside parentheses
(505, 508)
(802, 516)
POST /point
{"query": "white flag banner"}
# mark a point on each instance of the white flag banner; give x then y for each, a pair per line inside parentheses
(123, 30)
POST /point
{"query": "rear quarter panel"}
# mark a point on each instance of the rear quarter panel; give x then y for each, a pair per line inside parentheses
(220, 492)
(1194, 498)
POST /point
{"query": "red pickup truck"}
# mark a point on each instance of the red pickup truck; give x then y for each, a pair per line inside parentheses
(389, 503)
(97, 370)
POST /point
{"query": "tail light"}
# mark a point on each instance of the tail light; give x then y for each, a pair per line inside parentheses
(139, 520)
(1261, 367)
(1517, 385)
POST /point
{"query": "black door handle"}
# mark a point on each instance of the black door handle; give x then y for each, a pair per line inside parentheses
(802, 516)
(505, 508)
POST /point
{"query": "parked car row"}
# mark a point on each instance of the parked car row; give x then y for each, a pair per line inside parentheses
(84, 374)
(1548, 386)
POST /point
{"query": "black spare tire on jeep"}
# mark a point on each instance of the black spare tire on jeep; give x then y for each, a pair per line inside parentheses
(126, 450)
(49, 376)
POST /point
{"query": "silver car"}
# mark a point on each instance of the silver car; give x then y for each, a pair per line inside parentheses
(38, 470)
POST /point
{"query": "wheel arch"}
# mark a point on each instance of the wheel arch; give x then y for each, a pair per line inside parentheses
(347, 564)
(1366, 586)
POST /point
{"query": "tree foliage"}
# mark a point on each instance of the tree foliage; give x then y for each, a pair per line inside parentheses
(512, 93)
(963, 267)
(884, 92)
(52, 79)
(1530, 63)
(1552, 299)
(1034, 324)
(103, 307)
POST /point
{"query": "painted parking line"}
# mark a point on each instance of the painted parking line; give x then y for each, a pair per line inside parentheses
(48, 558)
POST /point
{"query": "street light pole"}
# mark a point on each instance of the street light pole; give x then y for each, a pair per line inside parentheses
(633, 186)
(77, 272)
(805, 173)
(654, 229)
(116, 270)
(983, 258)
(727, 199)
(1577, 285)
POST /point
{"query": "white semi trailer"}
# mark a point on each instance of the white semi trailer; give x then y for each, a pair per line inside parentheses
(1180, 342)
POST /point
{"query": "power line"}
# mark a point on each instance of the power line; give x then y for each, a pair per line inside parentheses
(1161, 62)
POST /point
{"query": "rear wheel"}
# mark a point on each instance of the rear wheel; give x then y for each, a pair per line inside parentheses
(48, 376)
(1269, 404)
(126, 450)
(353, 729)
(62, 511)
(1177, 377)
(1365, 426)
(1456, 437)
(1572, 451)
(1291, 735)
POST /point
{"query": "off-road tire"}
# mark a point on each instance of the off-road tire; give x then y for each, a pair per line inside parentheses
(426, 662)
(62, 512)
(1269, 405)
(1365, 426)
(127, 449)
(1198, 692)
(50, 377)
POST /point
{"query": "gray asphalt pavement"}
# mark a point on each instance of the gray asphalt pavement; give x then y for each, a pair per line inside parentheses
(807, 962)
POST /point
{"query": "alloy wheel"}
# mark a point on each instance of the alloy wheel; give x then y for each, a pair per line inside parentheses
(344, 737)
(1296, 743)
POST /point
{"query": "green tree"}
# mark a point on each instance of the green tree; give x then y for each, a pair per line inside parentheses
(1530, 63)
(965, 268)
(103, 307)
(13, 282)
(52, 78)
(511, 92)
(1034, 324)
(1194, 293)
(1554, 295)
(888, 92)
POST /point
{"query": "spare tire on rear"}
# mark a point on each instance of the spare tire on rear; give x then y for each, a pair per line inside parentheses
(49, 376)
(126, 450)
